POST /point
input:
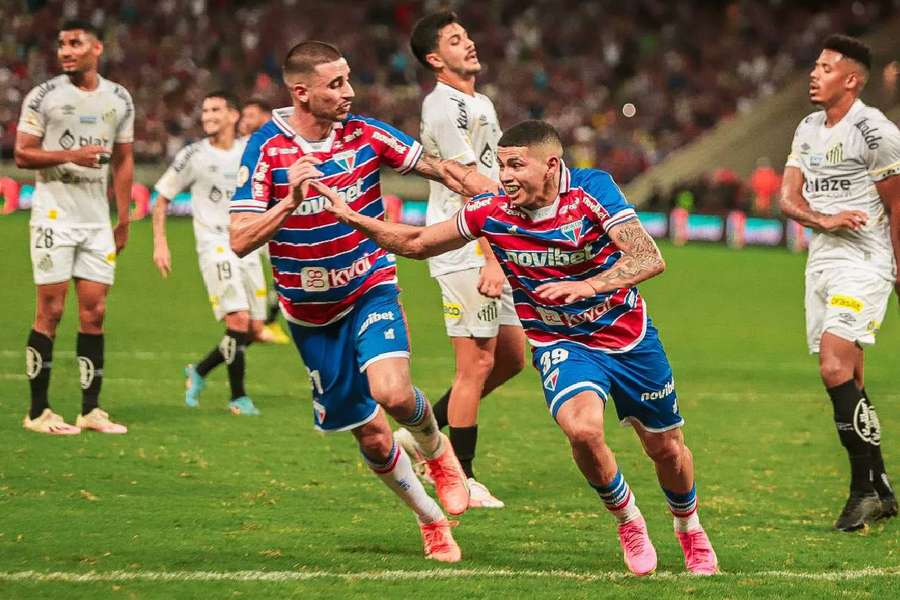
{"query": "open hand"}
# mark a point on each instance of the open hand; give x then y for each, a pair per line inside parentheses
(569, 291)
(847, 219)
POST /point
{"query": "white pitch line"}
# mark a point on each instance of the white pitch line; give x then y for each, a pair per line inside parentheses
(432, 574)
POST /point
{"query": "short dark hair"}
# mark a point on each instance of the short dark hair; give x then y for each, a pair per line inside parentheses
(530, 133)
(303, 58)
(230, 99)
(850, 47)
(424, 38)
(258, 103)
(86, 26)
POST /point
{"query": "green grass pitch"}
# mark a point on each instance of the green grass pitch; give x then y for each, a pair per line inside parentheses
(200, 491)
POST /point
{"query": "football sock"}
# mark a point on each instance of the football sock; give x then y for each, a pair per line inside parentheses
(210, 362)
(422, 426)
(845, 398)
(879, 475)
(617, 497)
(684, 509)
(38, 360)
(397, 473)
(233, 348)
(89, 348)
(464, 440)
(440, 410)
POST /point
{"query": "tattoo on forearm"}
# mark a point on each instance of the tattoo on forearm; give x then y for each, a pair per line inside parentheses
(429, 166)
(640, 258)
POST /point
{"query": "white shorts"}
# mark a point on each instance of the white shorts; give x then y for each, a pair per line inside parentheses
(62, 252)
(467, 313)
(233, 284)
(849, 303)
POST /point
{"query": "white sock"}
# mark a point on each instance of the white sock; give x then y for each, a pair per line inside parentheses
(627, 513)
(423, 427)
(398, 474)
(688, 523)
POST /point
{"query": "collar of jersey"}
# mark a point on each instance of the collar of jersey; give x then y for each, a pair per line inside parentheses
(281, 115)
(543, 213)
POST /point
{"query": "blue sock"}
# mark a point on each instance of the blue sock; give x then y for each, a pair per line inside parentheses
(420, 411)
(385, 466)
(682, 505)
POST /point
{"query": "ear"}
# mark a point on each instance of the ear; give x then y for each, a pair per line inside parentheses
(435, 61)
(553, 164)
(300, 91)
(98, 48)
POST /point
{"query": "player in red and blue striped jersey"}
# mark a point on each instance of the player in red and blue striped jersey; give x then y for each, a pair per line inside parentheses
(573, 251)
(338, 289)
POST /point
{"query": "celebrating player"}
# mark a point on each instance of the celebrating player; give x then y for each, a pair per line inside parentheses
(842, 179)
(573, 251)
(71, 128)
(236, 286)
(487, 338)
(338, 290)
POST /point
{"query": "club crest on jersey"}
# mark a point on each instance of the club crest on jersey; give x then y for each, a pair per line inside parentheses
(572, 231)
(835, 154)
(345, 160)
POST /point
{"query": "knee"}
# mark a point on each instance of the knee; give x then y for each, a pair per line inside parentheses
(376, 446)
(91, 315)
(477, 366)
(833, 371)
(585, 435)
(238, 321)
(395, 398)
(666, 450)
(50, 314)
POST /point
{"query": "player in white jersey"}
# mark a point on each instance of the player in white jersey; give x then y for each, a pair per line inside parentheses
(460, 124)
(236, 286)
(842, 179)
(254, 114)
(71, 129)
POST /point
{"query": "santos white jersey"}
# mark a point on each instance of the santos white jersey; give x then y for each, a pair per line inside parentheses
(211, 174)
(456, 126)
(840, 166)
(67, 117)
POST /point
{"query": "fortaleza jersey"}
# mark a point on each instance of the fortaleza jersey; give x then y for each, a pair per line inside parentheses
(65, 117)
(321, 266)
(840, 166)
(457, 126)
(211, 174)
(567, 240)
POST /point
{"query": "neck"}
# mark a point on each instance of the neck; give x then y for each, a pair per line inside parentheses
(87, 80)
(463, 83)
(308, 126)
(224, 139)
(837, 111)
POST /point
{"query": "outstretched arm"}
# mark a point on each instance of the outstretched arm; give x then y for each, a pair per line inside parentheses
(405, 240)
(795, 206)
(640, 261)
(464, 180)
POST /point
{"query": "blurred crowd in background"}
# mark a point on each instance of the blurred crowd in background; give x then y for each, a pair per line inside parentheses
(625, 83)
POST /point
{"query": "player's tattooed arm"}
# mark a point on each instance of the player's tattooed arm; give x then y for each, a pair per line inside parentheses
(406, 240)
(795, 206)
(30, 155)
(889, 190)
(640, 261)
(462, 179)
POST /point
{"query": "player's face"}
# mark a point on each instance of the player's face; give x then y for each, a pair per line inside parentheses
(78, 51)
(252, 118)
(524, 175)
(216, 116)
(328, 92)
(456, 50)
(830, 78)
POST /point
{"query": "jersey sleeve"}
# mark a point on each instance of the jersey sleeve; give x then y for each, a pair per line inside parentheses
(178, 176)
(33, 119)
(447, 125)
(471, 217)
(615, 209)
(793, 159)
(396, 149)
(254, 179)
(125, 128)
(882, 150)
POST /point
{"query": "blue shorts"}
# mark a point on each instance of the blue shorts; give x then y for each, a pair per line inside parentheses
(337, 355)
(639, 381)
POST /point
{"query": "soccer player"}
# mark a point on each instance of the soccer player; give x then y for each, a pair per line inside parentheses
(460, 124)
(254, 114)
(338, 290)
(842, 179)
(236, 287)
(72, 128)
(573, 251)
